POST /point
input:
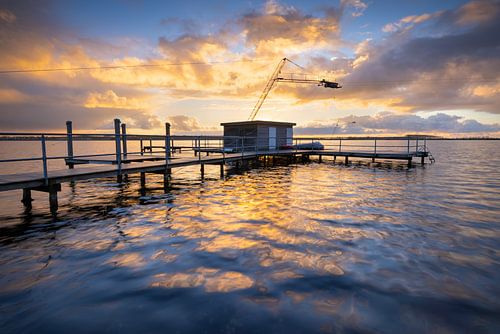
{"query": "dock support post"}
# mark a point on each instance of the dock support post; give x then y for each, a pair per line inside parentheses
(167, 176)
(346, 159)
(167, 139)
(118, 151)
(44, 161)
(53, 198)
(27, 197)
(143, 179)
(373, 159)
(202, 171)
(124, 139)
(222, 170)
(69, 139)
(334, 158)
(422, 162)
(409, 162)
(320, 158)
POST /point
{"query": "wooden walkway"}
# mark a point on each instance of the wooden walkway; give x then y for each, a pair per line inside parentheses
(36, 179)
(122, 162)
(157, 164)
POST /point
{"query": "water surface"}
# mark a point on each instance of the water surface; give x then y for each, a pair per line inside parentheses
(295, 248)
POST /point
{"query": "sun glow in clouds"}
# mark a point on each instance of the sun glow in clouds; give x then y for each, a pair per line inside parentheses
(387, 71)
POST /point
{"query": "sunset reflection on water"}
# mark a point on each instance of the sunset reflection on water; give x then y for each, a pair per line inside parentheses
(316, 247)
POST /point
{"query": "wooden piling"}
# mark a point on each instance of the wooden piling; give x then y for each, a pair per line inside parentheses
(202, 171)
(44, 161)
(422, 161)
(124, 139)
(54, 205)
(222, 170)
(320, 158)
(27, 199)
(69, 141)
(118, 154)
(167, 179)
(143, 179)
(409, 162)
(167, 140)
(346, 159)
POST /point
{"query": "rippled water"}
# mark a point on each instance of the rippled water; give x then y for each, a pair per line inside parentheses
(297, 248)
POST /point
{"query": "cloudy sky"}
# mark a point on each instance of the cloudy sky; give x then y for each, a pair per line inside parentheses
(406, 66)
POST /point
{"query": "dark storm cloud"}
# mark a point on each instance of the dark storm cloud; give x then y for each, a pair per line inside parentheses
(441, 61)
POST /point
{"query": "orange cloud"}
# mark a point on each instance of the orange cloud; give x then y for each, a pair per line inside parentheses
(110, 99)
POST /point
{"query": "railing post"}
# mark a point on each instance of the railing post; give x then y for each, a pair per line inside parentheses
(199, 148)
(69, 140)
(44, 161)
(416, 145)
(124, 139)
(142, 147)
(375, 146)
(118, 150)
(340, 145)
(167, 139)
(257, 147)
(242, 146)
(167, 150)
(408, 146)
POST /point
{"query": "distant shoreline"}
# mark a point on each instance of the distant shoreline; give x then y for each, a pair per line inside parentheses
(131, 138)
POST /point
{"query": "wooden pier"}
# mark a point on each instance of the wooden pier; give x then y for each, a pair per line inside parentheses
(122, 162)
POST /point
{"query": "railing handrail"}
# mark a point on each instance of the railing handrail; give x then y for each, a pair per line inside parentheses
(413, 145)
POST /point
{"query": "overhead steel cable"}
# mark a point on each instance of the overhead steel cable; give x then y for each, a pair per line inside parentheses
(108, 67)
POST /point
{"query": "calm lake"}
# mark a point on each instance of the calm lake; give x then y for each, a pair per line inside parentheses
(299, 248)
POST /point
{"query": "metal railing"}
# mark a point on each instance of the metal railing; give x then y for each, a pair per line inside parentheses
(222, 145)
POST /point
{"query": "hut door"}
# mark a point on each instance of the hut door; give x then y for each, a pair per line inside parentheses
(272, 138)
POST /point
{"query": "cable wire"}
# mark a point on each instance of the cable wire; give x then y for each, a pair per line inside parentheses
(108, 67)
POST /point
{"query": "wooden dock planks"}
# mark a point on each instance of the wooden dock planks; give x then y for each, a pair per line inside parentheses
(137, 164)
